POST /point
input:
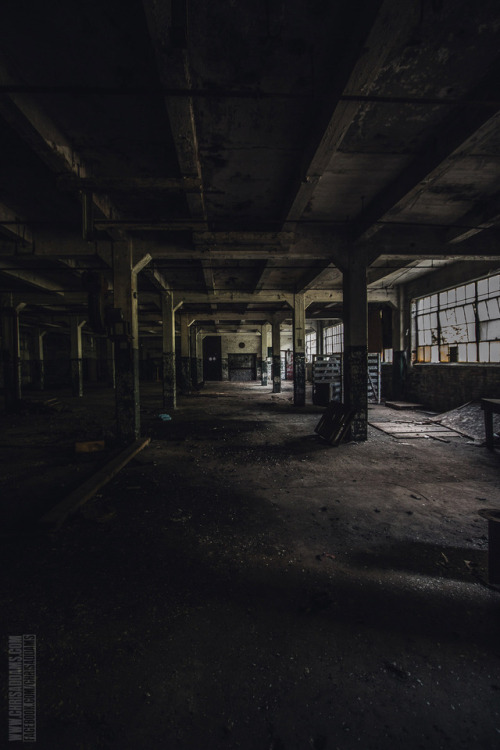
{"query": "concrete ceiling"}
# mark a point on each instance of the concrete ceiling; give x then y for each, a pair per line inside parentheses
(248, 147)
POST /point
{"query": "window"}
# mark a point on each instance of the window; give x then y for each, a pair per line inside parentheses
(311, 345)
(334, 339)
(460, 324)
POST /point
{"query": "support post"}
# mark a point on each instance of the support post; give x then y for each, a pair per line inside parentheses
(76, 356)
(11, 355)
(299, 350)
(276, 342)
(398, 346)
(193, 343)
(39, 360)
(263, 353)
(320, 344)
(355, 306)
(168, 352)
(185, 355)
(126, 339)
(199, 357)
(110, 354)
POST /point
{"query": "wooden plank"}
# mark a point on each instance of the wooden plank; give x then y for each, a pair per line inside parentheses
(403, 405)
(58, 515)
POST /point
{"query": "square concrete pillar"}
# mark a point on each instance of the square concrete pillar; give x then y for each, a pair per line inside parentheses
(168, 352)
(400, 323)
(276, 341)
(185, 383)
(263, 353)
(76, 326)
(355, 311)
(38, 368)
(126, 340)
(299, 350)
(11, 355)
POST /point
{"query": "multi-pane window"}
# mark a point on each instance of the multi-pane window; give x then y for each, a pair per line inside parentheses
(334, 339)
(311, 345)
(460, 324)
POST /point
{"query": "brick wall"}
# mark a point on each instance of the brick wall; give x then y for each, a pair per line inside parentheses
(443, 387)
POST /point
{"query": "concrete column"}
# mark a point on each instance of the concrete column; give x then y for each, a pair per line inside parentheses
(320, 344)
(199, 357)
(276, 342)
(168, 352)
(126, 340)
(11, 355)
(299, 350)
(185, 355)
(110, 360)
(194, 349)
(263, 353)
(39, 360)
(355, 306)
(76, 326)
(399, 355)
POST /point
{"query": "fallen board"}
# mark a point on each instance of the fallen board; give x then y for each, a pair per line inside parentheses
(413, 429)
(57, 515)
(403, 405)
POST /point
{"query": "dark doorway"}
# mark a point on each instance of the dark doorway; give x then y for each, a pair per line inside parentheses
(242, 367)
(212, 358)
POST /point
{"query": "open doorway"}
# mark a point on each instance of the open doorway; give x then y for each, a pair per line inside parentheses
(212, 358)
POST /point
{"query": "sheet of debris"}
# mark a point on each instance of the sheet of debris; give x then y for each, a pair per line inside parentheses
(467, 419)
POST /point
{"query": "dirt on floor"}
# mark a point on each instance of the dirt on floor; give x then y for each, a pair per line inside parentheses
(243, 584)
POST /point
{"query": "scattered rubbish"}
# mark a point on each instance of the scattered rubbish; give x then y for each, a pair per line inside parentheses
(180, 516)
(106, 517)
(325, 554)
(468, 420)
(89, 446)
(391, 666)
(165, 417)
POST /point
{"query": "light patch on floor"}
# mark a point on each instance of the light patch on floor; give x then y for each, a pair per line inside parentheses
(410, 430)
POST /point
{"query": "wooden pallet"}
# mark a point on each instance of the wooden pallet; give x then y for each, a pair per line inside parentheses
(335, 423)
(327, 370)
(374, 373)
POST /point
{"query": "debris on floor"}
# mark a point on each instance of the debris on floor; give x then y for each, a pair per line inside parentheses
(467, 419)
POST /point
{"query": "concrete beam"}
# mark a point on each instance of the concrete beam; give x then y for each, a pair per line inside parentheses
(15, 225)
(233, 297)
(379, 30)
(452, 136)
(475, 221)
(173, 69)
(126, 184)
(34, 279)
(43, 136)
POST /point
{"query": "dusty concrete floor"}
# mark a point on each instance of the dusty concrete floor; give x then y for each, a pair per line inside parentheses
(241, 584)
